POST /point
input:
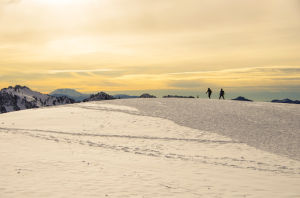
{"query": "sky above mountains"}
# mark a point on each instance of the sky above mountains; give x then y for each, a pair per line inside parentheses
(116, 45)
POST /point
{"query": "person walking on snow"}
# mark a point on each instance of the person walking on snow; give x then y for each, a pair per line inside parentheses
(222, 93)
(209, 91)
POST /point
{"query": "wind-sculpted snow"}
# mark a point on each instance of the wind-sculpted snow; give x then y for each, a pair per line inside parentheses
(268, 126)
(112, 150)
(150, 148)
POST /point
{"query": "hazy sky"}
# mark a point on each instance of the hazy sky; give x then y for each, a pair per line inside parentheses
(111, 45)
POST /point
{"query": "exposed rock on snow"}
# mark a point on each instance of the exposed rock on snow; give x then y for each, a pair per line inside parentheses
(287, 101)
(241, 98)
(146, 95)
(124, 96)
(99, 96)
(21, 97)
(175, 96)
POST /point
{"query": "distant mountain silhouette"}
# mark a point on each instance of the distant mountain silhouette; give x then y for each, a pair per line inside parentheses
(99, 96)
(21, 97)
(287, 101)
(146, 95)
(124, 96)
(175, 96)
(71, 93)
(241, 98)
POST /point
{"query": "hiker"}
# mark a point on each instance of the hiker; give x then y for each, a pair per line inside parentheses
(222, 93)
(209, 91)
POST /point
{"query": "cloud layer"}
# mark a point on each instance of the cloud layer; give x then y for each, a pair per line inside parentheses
(121, 45)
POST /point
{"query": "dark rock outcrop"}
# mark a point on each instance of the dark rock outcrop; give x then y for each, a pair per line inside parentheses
(241, 98)
(146, 95)
(99, 96)
(124, 96)
(175, 96)
(287, 101)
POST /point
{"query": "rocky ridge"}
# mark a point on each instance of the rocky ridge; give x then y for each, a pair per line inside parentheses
(21, 97)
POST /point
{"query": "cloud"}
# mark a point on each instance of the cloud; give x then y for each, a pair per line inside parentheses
(270, 76)
(150, 44)
(288, 79)
(190, 84)
(264, 70)
(259, 78)
(79, 71)
(9, 1)
(29, 76)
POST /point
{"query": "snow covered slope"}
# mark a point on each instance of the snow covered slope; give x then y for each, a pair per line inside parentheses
(21, 97)
(268, 126)
(113, 149)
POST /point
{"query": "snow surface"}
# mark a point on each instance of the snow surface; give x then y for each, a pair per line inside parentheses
(268, 126)
(113, 149)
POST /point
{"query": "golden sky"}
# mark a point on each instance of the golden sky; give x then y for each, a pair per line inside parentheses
(112, 45)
